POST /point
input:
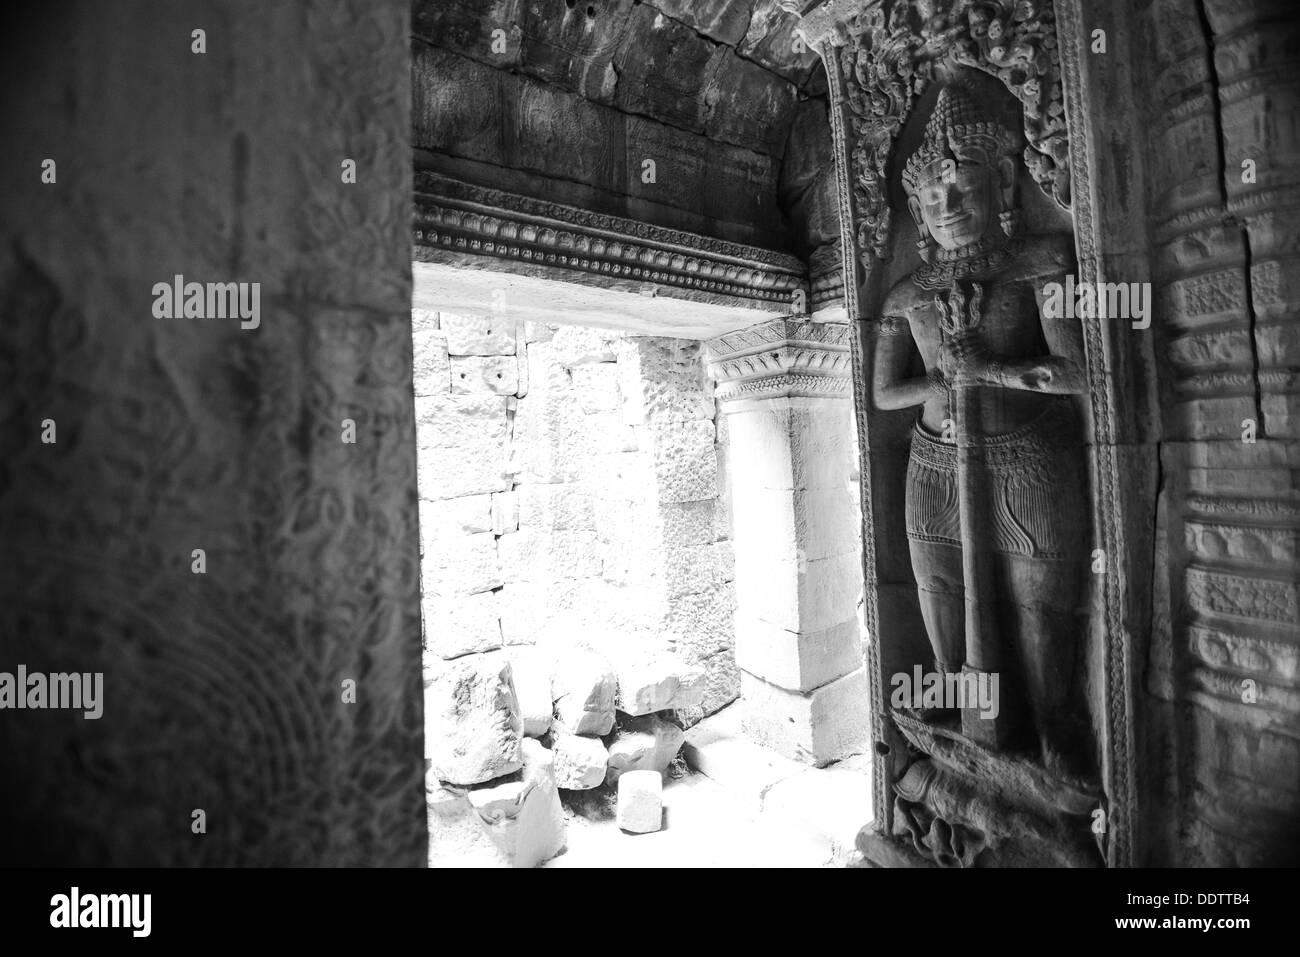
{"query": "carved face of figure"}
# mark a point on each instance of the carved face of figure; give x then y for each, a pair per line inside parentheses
(955, 200)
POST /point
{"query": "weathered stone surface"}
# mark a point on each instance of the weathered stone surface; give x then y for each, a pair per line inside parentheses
(692, 523)
(795, 661)
(721, 687)
(690, 569)
(461, 624)
(532, 556)
(584, 686)
(550, 441)
(539, 331)
(801, 596)
(814, 523)
(824, 725)
(657, 683)
(580, 762)
(432, 369)
(596, 386)
(608, 432)
(495, 375)
(791, 445)
(454, 517)
(701, 624)
(463, 565)
(478, 335)
(686, 468)
(505, 512)
(647, 743)
(457, 837)
(523, 817)
(461, 445)
(472, 723)
(640, 801)
(532, 676)
(561, 507)
(579, 345)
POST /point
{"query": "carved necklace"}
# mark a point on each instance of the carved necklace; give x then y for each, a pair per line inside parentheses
(981, 259)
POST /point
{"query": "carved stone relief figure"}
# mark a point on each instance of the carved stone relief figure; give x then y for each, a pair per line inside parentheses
(996, 516)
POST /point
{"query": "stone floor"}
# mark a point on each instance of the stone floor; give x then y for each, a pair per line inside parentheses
(738, 805)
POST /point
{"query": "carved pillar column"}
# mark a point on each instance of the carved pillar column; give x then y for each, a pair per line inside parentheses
(785, 389)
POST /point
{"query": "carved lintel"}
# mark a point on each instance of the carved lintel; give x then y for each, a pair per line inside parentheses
(782, 358)
(454, 219)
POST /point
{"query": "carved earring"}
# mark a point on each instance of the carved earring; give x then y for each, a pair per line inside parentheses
(1009, 222)
(925, 247)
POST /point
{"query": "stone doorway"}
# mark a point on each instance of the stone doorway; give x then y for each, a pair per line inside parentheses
(585, 609)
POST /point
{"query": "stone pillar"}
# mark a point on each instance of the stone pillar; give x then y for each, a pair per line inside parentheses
(784, 387)
(1223, 143)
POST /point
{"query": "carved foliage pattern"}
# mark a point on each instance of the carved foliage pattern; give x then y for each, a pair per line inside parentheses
(889, 54)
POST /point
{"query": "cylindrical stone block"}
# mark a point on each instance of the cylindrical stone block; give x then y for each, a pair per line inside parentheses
(640, 801)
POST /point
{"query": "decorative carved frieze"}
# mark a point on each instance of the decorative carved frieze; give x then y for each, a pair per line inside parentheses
(458, 221)
(782, 358)
(1271, 601)
(1246, 654)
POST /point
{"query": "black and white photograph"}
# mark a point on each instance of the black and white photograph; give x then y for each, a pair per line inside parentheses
(649, 435)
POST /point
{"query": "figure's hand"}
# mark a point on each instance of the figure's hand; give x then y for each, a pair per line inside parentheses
(971, 359)
(939, 384)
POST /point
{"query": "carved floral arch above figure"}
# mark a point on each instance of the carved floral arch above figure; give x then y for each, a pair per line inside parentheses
(890, 53)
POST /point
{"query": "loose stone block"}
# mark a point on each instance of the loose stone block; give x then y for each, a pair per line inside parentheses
(584, 686)
(523, 817)
(497, 375)
(821, 726)
(580, 762)
(473, 725)
(532, 676)
(640, 802)
(658, 683)
(457, 837)
(478, 335)
(648, 743)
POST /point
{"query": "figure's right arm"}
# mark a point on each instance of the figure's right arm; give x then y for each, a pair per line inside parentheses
(890, 389)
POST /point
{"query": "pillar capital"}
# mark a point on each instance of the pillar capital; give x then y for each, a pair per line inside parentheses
(791, 357)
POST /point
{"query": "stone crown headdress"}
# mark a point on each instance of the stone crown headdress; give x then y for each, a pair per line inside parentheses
(957, 126)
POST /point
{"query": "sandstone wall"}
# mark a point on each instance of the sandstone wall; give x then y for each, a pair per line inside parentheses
(570, 494)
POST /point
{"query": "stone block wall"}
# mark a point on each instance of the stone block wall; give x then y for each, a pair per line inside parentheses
(570, 495)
